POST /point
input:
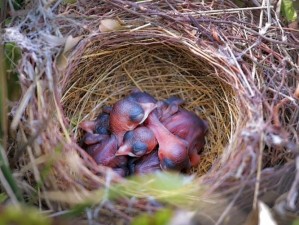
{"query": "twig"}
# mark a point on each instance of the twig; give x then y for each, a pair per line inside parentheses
(221, 11)
(292, 195)
(230, 206)
(250, 30)
(259, 172)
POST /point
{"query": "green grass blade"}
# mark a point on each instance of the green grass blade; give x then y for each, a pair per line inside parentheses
(7, 173)
(289, 11)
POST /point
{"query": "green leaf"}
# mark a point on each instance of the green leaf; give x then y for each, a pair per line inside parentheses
(3, 197)
(22, 216)
(160, 218)
(288, 10)
(12, 56)
(69, 1)
(77, 210)
(239, 3)
(18, 4)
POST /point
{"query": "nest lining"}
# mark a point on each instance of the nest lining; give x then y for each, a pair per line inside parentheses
(102, 75)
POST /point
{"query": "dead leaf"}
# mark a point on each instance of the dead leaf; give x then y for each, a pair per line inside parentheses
(62, 59)
(296, 93)
(108, 25)
(61, 62)
(261, 216)
(215, 35)
(70, 43)
(265, 215)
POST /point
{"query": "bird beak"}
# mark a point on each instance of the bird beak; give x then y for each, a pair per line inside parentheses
(148, 108)
(124, 150)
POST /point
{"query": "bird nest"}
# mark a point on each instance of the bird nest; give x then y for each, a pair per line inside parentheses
(103, 72)
(237, 75)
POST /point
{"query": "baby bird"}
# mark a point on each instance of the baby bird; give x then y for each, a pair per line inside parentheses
(168, 107)
(146, 164)
(104, 153)
(100, 125)
(90, 138)
(138, 142)
(141, 97)
(97, 129)
(173, 151)
(188, 126)
(121, 171)
(129, 112)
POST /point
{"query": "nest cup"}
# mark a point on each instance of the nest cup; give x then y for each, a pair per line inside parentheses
(106, 68)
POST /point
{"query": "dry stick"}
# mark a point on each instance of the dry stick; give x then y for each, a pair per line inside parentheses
(150, 12)
(259, 172)
(199, 30)
(276, 108)
(250, 30)
(22, 106)
(261, 146)
(221, 11)
(229, 207)
(293, 193)
(269, 11)
(44, 123)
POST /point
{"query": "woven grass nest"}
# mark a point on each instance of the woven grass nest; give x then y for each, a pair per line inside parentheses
(242, 81)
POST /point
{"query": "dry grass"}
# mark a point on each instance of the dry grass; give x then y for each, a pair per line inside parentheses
(101, 77)
(232, 68)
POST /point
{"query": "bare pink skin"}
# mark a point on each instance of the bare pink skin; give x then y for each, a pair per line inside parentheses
(104, 153)
(173, 151)
(96, 129)
(168, 107)
(88, 126)
(188, 126)
(129, 112)
(146, 164)
(140, 135)
(90, 138)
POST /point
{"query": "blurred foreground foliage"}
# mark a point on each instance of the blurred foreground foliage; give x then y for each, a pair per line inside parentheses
(289, 11)
(12, 55)
(172, 188)
(22, 216)
(6, 171)
(18, 4)
(159, 218)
